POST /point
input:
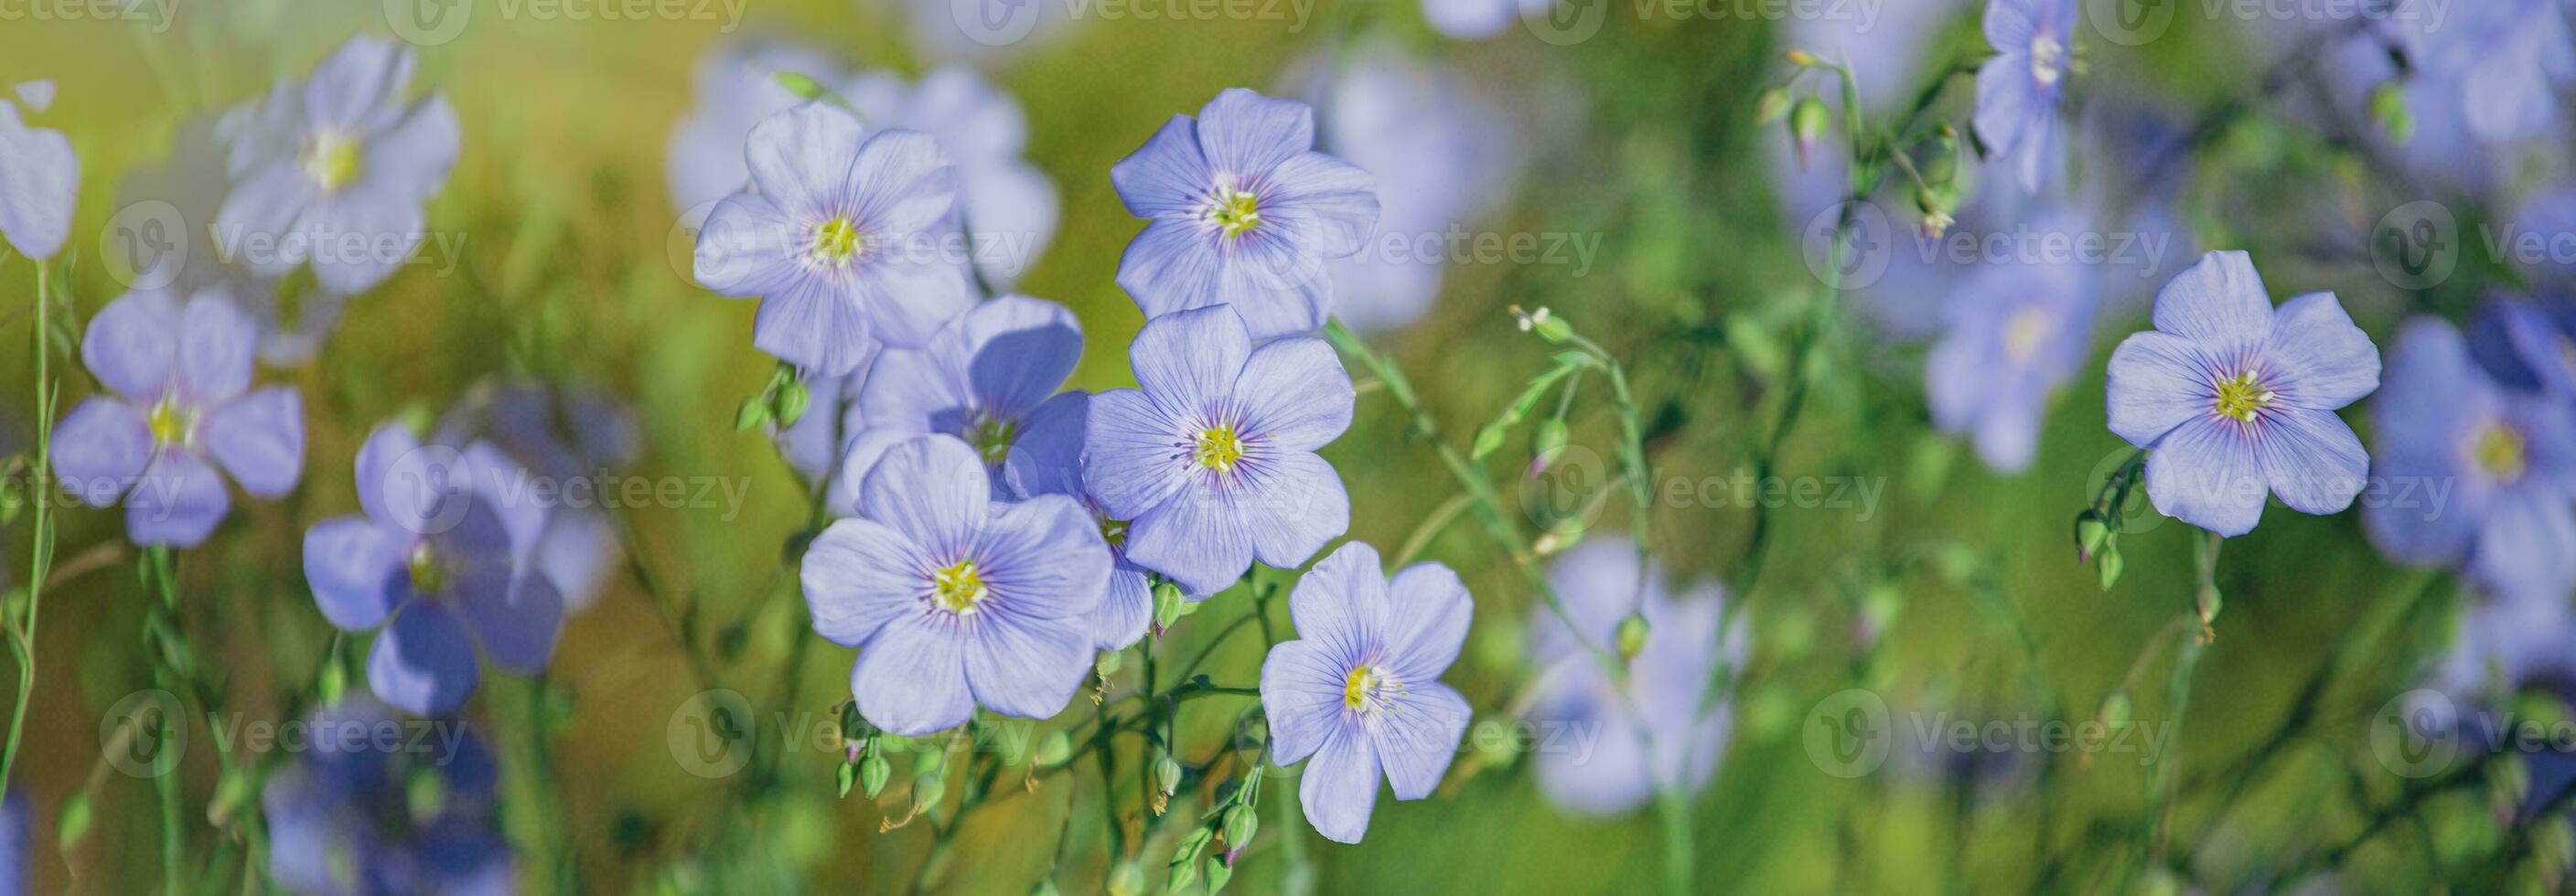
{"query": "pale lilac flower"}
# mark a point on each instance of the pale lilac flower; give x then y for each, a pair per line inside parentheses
(2474, 475)
(331, 170)
(1212, 459)
(1359, 691)
(2237, 400)
(847, 237)
(180, 408)
(989, 377)
(1653, 732)
(1048, 461)
(364, 809)
(2499, 63)
(1479, 19)
(1440, 151)
(572, 439)
(1243, 212)
(16, 830)
(955, 601)
(2528, 344)
(38, 179)
(2019, 91)
(436, 560)
(2018, 330)
(171, 249)
(737, 89)
(1009, 207)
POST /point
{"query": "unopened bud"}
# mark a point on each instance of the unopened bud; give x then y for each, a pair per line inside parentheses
(1128, 879)
(1632, 635)
(845, 776)
(1545, 323)
(1771, 105)
(927, 790)
(1167, 775)
(1054, 748)
(2209, 602)
(1489, 439)
(2090, 532)
(2388, 108)
(1218, 873)
(2115, 709)
(1545, 444)
(1801, 58)
(1046, 887)
(1807, 122)
(1240, 823)
(752, 413)
(791, 402)
(1168, 602)
(1183, 872)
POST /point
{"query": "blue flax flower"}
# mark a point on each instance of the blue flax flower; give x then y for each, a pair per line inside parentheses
(1651, 733)
(1242, 211)
(1211, 460)
(955, 602)
(2474, 474)
(334, 169)
(989, 377)
(2528, 344)
(737, 88)
(2019, 91)
(1439, 149)
(1009, 207)
(1359, 691)
(14, 834)
(568, 437)
(845, 237)
(371, 807)
(2017, 331)
(38, 177)
(181, 408)
(437, 560)
(2238, 399)
(1048, 461)
(2498, 63)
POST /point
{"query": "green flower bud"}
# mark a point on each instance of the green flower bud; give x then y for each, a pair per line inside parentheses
(751, 415)
(1489, 439)
(2209, 602)
(1183, 872)
(791, 402)
(2115, 709)
(1546, 444)
(2388, 108)
(928, 788)
(1167, 774)
(1128, 879)
(1545, 323)
(1046, 887)
(1218, 873)
(1632, 635)
(846, 776)
(1168, 604)
(1807, 123)
(1054, 748)
(1240, 823)
(1769, 107)
(873, 771)
(2090, 532)
(2110, 565)
(1109, 663)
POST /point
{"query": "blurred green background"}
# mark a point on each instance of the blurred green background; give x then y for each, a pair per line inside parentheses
(574, 267)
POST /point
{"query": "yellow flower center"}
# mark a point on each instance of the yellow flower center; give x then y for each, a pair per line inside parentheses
(1114, 532)
(958, 588)
(2499, 452)
(170, 425)
(836, 240)
(2024, 332)
(2241, 397)
(428, 575)
(1234, 211)
(2047, 60)
(1219, 448)
(1366, 689)
(331, 158)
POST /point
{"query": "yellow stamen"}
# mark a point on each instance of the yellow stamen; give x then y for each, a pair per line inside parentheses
(2047, 59)
(428, 575)
(331, 158)
(1219, 448)
(2241, 397)
(2023, 333)
(169, 424)
(836, 240)
(1234, 210)
(1359, 687)
(958, 588)
(2499, 452)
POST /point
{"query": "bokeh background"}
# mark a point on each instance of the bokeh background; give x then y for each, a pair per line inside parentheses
(1956, 595)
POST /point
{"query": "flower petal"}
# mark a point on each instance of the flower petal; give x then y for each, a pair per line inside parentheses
(933, 490)
(2206, 473)
(2157, 381)
(1419, 738)
(517, 625)
(2218, 303)
(911, 677)
(423, 662)
(259, 439)
(2321, 360)
(99, 450)
(1295, 394)
(802, 158)
(812, 322)
(1302, 692)
(1017, 351)
(907, 299)
(1188, 361)
(1168, 176)
(1293, 503)
(355, 569)
(1248, 135)
(177, 502)
(133, 346)
(1197, 538)
(38, 186)
(355, 79)
(1342, 605)
(409, 160)
(1046, 459)
(1024, 666)
(1132, 464)
(2526, 550)
(1336, 198)
(215, 342)
(1120, 619)
(1339, 786)
(857, 575)
(2312, 460)
(1427, 614)
(901, 182)
(1044, 559)
(358, 237)
(747, 247)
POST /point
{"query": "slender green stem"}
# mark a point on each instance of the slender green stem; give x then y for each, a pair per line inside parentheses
(22, 633)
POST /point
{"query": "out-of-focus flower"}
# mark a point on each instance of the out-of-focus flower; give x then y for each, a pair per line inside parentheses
(1211, 460)
(1439, 151)
(1048, 461)
(568, 438)
(1359, 691)
(2528, 344)
(331, 170)
(173, 250)
(38, 177)
(2019, 91)
(815, 444)
(2499, 63)
(2475, 475)
(990, 377)
(848, 237)
(435, 559)
(2237, 400)
(15, 832)
(363, 810)
(1242, 211)
(1653, 732)
(1479, 19)
(2018, 329)
(181, 408)
(1009, 207)
(737, 89)
(953, 601)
